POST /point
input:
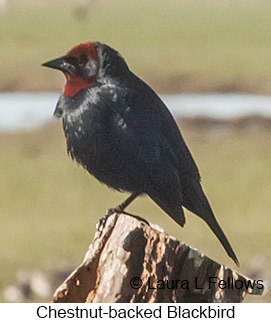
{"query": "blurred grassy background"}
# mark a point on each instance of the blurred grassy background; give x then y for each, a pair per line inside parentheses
(177, 45)
(49, 207)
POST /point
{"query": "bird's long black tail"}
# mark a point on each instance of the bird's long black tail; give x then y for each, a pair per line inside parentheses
(215, 227)
(195, 201)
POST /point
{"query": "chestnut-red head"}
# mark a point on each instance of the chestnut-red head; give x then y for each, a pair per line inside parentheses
(87, 64)
(86, 49)
(79, 65)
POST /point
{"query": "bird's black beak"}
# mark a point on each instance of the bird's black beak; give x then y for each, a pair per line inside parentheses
(58, 63)
(61, 64)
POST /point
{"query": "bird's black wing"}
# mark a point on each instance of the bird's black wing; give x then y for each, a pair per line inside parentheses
(191, 192)
(159, 162)
(136, 132)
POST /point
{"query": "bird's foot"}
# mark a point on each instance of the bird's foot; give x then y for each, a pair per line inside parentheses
(101, 224)
(119, 210)
(102, 221)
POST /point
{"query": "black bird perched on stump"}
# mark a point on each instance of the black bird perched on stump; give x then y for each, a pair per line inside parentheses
(122, 133)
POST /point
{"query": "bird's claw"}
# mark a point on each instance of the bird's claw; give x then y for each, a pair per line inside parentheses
(112, 211)
(117, 210)
(101, 224)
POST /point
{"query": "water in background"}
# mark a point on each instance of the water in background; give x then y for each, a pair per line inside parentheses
(26, 111)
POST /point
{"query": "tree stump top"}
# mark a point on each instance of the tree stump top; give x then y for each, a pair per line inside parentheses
(132, 261)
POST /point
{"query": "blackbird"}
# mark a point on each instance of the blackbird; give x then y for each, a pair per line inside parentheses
(123, 134)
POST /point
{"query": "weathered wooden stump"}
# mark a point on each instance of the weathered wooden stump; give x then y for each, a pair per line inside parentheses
(131, 261)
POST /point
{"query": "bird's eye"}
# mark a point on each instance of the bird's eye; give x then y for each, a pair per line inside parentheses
(81, 61)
